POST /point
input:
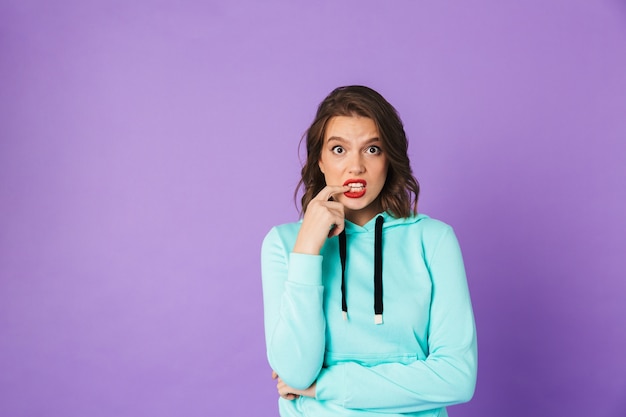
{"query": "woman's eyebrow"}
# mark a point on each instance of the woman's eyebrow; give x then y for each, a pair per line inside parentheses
(336, 138)
(372, 140)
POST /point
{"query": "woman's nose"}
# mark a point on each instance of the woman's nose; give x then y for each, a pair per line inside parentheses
(355, 164)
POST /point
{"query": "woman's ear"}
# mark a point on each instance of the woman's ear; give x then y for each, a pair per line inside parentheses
(320, 164)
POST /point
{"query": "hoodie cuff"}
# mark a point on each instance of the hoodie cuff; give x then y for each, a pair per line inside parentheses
(305, 269)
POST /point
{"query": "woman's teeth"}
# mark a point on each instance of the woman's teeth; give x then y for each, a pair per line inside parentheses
(356, 187)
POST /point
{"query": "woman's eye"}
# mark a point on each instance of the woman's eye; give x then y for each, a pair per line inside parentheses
(338, 150)
(373, 150)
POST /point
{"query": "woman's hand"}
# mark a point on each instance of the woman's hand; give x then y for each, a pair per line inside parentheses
(288, 393)
(323, 218)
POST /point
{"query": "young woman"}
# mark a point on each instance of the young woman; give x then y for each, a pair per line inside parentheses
(367, 309)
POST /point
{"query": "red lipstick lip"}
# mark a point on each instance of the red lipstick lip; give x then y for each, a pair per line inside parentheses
(355, 181)
(355, 194)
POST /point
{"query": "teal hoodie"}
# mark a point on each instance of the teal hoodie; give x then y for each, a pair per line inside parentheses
(420, 359)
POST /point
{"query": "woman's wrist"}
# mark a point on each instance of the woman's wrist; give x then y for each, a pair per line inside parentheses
(306, 248)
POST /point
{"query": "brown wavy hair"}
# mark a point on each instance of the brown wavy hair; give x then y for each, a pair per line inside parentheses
(401, 190)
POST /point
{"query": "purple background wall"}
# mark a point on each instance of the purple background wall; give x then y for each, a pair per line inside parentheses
(146, 147)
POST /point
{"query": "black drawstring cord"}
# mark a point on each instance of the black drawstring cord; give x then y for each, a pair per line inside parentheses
(378, 271)
(342, 255)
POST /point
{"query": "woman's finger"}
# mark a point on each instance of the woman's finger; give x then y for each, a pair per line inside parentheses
(329, 191)
(318, 221)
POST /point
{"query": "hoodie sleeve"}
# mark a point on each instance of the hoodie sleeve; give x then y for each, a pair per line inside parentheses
(446, 377)
(294, 320)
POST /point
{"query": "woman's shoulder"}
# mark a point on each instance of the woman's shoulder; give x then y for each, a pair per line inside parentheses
(287, 228)
(421, 229)
(427, 233)
(285, 232)
(422, 222)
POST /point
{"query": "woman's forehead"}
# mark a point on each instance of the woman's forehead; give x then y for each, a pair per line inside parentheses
(350, 128)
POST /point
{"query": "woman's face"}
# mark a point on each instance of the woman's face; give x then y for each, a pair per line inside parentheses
(352, 155)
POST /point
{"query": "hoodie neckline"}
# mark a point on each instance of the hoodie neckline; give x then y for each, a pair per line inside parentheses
(390, 221)
(367, 227)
